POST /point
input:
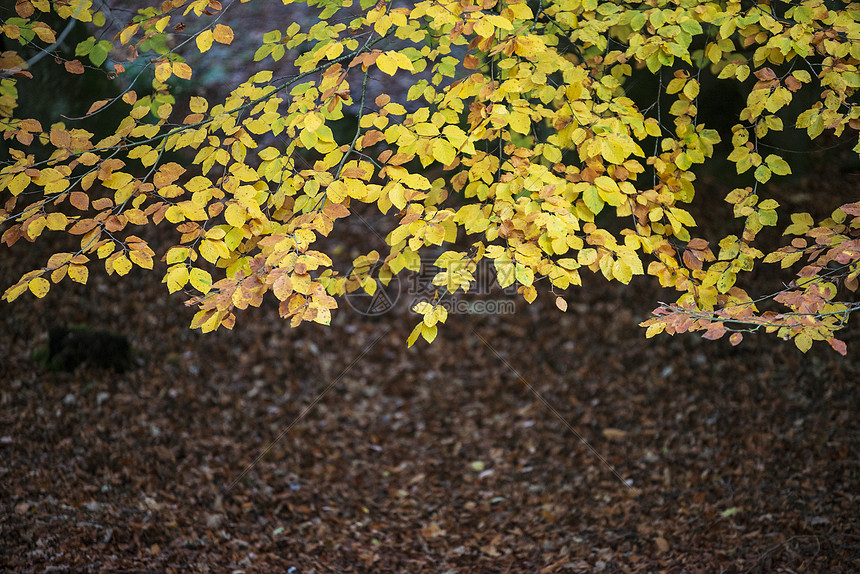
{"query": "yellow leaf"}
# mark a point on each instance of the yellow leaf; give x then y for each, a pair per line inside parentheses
(429, 333)
(396, 195)
(606, 183)
(529, 293)
(57, 221)
(56, 186)
(387, 63)
(58, 273)
(206, 320)
(726, 281)
(443, 152)
(106, 249)
(163, 71)
(177, 255)
(121, 265)
(369, 285)
(499, 21)
(78, 273)
(213, 250)
(691, 90)
(198, 105)
(39, 287)
(236, 215)
(622, 271)
(181, 70)
(520, 122)
(504, 272)
(612, 149)
(126, 34)
(413, 336)
(484, 28)
(313, 122)
(176, 278)
(19, 183)
(403, 61)
(201, 280)
(15, 291)
(141, 258)
(524, 275)
(222, 34)
(204, 40)
(803, 342)
(36, 227)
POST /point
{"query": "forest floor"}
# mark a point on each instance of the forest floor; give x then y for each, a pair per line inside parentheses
(527, 442)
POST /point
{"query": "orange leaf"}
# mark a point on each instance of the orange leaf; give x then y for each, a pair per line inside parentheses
(60, 137)
(24, 8)
(222, 34)
(79, 200)
(838, 346)
(102, 203)
(97, 106)
(83, 226)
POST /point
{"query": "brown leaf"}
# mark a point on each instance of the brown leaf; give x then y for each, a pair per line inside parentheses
(432, 530)
(24, 8)
(80, 200)
(765, 74)
(793, 83)
(74, 67)
(614, 434)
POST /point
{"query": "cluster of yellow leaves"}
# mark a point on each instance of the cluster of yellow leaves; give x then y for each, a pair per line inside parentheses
(520, 111)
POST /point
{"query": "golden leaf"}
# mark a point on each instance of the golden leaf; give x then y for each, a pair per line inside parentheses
(204, 40)
(39, 286)
(222, 34)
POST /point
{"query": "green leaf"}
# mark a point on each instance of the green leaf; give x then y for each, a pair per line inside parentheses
(84, 48)
(768, 217)
(100, 52)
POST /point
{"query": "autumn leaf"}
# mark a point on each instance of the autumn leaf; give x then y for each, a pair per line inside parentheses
(74, 67)
(222, 34)
(529, 144)
(181, 70)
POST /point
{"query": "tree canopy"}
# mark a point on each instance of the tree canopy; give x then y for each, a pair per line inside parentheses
(522, 136)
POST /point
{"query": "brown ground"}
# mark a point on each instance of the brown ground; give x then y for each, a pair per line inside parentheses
(469, 455)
